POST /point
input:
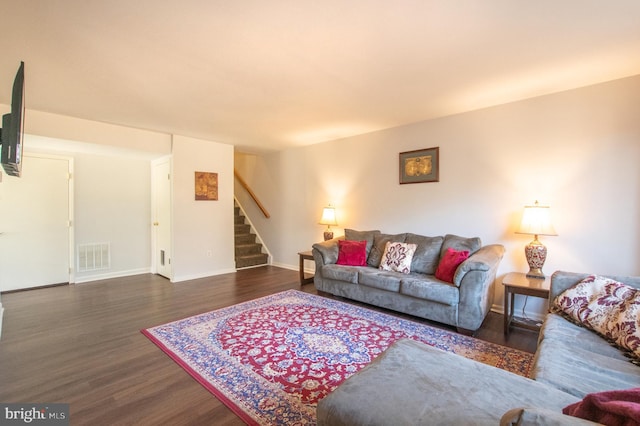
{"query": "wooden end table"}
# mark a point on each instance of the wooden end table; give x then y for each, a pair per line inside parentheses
(518, 283)
(304, 255)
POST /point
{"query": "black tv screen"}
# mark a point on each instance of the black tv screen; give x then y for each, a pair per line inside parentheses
(13, 128)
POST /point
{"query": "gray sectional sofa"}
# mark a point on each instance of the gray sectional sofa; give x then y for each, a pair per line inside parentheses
(414, 384)
(464, 303)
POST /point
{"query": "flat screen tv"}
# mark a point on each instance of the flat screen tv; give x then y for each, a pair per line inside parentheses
(12, 133)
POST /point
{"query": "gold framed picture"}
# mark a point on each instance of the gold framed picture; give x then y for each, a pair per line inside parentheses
(206, 186)
(420, 166)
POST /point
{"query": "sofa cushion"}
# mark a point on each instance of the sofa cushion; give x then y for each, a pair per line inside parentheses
(412, 383)
(424, 287)
(383, 280)
(397, 257)
(341, 273)
(460, 243)
(449, 263)
(379, 243)
(368, 236)
(427, 254)
(606, 306)
(593, 365)
(352, 253)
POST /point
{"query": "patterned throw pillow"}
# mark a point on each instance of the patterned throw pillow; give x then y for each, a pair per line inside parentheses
(397, 257)
(608, 307)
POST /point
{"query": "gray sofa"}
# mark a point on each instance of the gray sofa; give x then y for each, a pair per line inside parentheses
(414, 384)
(463, 303)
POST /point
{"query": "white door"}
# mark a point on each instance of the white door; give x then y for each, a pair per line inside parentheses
(35, 224)
(162, 217)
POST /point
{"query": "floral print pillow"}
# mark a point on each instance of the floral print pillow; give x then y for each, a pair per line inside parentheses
(397, 257)
(608, 307)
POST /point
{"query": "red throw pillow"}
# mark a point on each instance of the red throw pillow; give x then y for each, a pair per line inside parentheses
(449, 262)
(353, 253)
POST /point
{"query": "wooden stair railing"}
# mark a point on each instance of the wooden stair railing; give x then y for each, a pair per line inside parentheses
(251, 193)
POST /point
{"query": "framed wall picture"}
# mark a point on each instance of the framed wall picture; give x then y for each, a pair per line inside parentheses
(419, 166)
(206, 186)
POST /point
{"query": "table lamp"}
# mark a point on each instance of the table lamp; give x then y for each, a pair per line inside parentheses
(328, 218)
(536, 220)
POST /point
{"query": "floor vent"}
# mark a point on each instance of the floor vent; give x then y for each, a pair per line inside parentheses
(94, 257)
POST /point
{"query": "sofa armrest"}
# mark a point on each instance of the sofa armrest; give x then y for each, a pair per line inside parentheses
(485, 259)
(540, 417)
(475, 278)
(326, 252)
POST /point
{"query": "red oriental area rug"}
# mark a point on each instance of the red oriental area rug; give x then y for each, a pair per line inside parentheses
(272, 359)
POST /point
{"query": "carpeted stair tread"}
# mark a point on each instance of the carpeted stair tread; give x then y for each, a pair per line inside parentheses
(251, 260)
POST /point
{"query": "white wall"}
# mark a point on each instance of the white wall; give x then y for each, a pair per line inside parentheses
(112, 205)
(203, 238)
(577, 151)
(113, 194)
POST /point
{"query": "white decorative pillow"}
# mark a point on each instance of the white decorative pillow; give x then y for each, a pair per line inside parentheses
(397, 257)
(608, 307)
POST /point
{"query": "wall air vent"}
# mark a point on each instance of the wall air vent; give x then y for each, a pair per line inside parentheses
(94, 257)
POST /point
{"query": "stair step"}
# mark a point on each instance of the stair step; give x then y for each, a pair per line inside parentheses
(239, 220)
(245, 239)
(251, 260)
(248, 249)
(242, 229)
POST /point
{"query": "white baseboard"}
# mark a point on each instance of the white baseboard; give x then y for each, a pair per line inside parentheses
(106, 276)
(202, 275)
(285, 266)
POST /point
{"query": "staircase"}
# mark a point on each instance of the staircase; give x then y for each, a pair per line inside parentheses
(248, 251)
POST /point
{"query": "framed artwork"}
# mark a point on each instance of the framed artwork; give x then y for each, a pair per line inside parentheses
(419, 166)
(206, 186)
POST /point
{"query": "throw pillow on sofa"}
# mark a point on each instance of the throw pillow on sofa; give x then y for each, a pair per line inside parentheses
(379, 243)
(449, 263)
(352, 253)
(368, 236)
(397, 257)
(606, 306)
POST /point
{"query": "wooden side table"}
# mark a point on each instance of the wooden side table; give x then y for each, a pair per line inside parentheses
(304, 255)
(518, 283)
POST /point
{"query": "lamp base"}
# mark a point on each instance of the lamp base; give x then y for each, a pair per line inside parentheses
(536, 273)
(328, 235)
(536, 254)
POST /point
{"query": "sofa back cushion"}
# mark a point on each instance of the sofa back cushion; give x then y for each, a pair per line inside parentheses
(379, 243)
(427, 254)
(455, 242)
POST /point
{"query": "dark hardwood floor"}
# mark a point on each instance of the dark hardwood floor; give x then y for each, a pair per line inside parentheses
(81, 345)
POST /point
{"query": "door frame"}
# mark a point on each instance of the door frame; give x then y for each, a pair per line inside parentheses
(154, 206)
(70, 208)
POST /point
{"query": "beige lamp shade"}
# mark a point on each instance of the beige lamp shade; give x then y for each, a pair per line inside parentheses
(536, 220)
(328, 218)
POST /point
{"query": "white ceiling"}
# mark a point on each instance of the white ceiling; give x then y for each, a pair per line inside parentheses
(266, 75)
